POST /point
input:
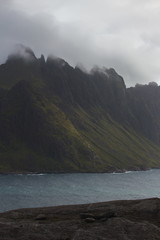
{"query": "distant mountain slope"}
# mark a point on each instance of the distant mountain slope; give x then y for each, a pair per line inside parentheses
(56, 118)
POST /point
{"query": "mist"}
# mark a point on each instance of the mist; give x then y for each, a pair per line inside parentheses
(123, 35)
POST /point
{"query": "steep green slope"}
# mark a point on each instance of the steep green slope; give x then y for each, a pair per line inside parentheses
(51, 141)
(118, 147)
(33, 127)
(54, 118)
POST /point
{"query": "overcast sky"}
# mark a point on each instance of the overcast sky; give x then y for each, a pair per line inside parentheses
(123, 34)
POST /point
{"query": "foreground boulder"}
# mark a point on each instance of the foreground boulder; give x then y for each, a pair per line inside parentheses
(115, 220)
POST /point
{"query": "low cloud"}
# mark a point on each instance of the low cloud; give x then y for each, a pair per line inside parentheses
(120, 34)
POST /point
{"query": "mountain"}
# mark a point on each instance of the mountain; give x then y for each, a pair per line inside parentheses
(56, 118)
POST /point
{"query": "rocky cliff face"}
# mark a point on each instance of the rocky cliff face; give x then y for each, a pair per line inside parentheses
(144, 102)
(54, 117)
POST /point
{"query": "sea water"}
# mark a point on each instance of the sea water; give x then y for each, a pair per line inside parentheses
(39, 190)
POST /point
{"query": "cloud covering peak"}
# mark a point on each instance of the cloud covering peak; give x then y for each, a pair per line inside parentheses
(122, 34)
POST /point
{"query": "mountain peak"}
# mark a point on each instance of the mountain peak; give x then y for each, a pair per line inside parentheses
(58, 61)
(23, 53)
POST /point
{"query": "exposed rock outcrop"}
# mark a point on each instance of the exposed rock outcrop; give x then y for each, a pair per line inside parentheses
(134, 220)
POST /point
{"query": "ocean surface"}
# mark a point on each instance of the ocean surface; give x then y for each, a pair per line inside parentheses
(38, 190)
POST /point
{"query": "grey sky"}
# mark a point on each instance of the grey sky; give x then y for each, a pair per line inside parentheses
(123, 34)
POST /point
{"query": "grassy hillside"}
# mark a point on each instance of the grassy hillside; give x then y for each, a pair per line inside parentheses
(42, 138)
(118, 147)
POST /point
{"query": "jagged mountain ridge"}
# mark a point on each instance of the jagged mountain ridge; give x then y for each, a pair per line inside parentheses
(56, 118)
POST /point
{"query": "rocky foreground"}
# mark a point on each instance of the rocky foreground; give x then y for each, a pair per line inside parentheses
(115, 220)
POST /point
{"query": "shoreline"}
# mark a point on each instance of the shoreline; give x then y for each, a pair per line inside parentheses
(76, 172)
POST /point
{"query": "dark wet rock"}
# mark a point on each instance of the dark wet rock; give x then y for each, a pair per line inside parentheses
(103, 219)
(14, 215)
(89, 220)
(86, 215)
(41, 217)
(106, 215)
(135, 220)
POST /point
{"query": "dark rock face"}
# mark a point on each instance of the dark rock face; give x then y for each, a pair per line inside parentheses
(135, 220)
(86, 215)
(144, 103)
(89, 220)
(41, 217)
